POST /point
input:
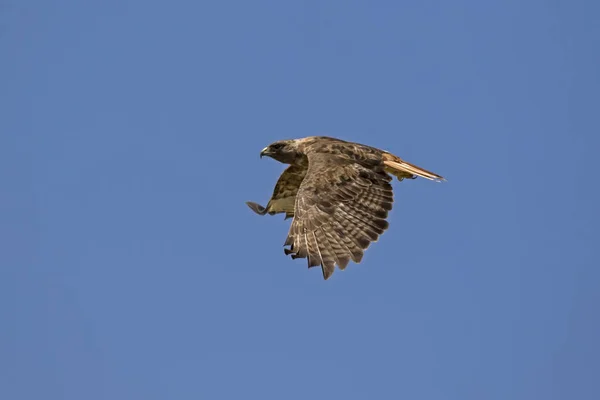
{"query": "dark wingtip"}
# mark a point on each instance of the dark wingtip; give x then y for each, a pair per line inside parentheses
(343, 262)
(313, 261)
(257, 208)
(327, 270)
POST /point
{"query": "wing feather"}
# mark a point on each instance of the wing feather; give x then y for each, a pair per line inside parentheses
(340, 251)
(283, 199)
(341, 208)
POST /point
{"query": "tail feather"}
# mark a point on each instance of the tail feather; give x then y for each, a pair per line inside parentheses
(401, 169)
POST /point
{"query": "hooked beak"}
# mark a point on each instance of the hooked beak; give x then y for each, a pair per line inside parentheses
(264, 152)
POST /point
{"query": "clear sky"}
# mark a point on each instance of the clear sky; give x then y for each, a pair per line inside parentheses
(130, 134)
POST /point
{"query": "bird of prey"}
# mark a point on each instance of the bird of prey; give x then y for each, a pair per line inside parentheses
(338, 194)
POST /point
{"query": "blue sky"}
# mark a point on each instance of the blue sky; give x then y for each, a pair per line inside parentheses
(129, 142)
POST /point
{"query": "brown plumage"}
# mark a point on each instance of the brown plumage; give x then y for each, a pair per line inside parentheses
(338, 193)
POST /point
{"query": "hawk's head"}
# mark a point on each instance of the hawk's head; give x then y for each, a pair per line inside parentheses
(285, 151)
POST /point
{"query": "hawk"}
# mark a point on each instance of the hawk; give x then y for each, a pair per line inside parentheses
(338, 194)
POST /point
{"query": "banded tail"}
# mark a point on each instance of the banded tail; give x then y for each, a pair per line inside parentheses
(402, 169)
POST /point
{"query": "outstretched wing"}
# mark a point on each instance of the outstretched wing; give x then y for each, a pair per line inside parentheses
(284, 194)
(341, 207)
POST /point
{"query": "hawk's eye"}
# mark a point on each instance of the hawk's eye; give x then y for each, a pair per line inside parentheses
(277, 146)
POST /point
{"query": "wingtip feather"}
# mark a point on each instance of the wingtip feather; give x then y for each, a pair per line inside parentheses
(257, 208)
